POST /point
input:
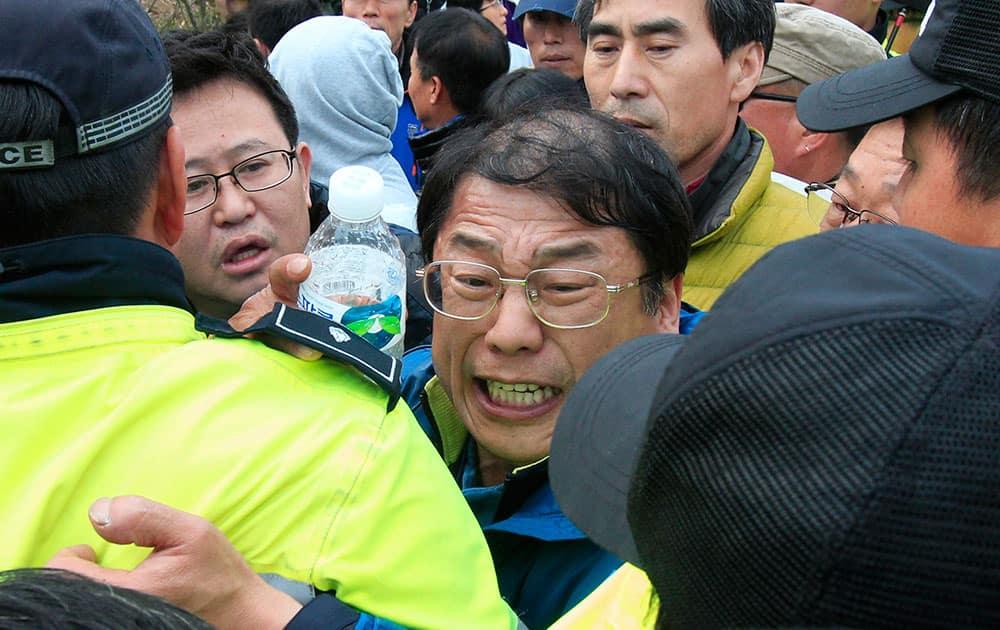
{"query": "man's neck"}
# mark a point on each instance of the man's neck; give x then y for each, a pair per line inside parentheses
(492, 470)
(697, 168)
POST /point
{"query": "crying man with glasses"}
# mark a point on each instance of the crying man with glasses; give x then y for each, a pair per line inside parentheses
(549, 239)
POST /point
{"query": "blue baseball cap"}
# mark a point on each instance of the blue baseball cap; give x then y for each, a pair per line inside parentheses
(104, 62)
(562, 7)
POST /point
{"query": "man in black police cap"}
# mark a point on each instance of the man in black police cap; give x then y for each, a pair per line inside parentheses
(826, 457)
(107, 388)
(948, 91)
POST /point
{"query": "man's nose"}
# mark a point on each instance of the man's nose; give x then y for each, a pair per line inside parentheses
(233, 205)
(514, 327)
(628, 78)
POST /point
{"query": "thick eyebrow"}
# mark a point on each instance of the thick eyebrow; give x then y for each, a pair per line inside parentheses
(466, 240)
(849, 173)
(662, 26)
(567, 251)
(575, 250)
(603, 28)
(240, 151)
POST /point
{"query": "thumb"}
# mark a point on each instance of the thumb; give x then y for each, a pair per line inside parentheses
(72, 555)
(286, 274)
(140, 521)
(82, 560)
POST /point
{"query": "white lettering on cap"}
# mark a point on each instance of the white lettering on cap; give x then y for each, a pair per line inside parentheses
(31, 154)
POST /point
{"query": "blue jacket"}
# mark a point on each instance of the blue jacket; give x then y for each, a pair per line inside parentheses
(406, 121)
(544, 564)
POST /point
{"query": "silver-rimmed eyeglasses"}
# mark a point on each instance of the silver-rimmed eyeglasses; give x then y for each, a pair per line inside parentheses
(821, 196)
(254, 174)
(560, 298)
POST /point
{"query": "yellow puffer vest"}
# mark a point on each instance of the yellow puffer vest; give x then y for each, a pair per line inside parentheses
(762, 214)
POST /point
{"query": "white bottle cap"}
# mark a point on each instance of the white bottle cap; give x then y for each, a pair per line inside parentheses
(355, 194)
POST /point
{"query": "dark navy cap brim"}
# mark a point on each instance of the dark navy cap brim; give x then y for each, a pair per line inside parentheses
(599, 435)
(869, 95)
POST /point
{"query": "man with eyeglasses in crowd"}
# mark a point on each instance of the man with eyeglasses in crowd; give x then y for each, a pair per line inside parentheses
(865, 189)
(538, 263)
(248, 174)
(948, 95)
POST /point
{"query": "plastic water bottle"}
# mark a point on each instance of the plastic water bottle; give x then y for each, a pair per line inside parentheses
(359, 273)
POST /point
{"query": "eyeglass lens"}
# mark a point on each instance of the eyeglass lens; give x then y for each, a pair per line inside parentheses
(254, 174)
(557, 296)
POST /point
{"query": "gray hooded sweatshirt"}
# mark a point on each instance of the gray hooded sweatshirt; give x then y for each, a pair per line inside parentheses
(344, 82)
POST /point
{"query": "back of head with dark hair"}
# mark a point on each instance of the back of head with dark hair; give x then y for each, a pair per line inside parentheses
(271, 19)
(733, 22)
(603, 172)
(972, 125)
(197, 59)
(465, 50)
(471, 5)
(527, 87)
(51, 599)
(98, 193)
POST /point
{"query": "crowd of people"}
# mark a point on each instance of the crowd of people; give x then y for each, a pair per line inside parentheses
(651, 379)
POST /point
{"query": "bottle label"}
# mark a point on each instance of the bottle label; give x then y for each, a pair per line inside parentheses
(380, 324)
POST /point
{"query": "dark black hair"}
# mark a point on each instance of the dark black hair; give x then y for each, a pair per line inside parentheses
(471, 5)
(99, 193)
(733, 22)
(525, 87)
(271, 19)
(972, 125)
(464, 50)
(48, 599)
(605, 173)
(198, 58)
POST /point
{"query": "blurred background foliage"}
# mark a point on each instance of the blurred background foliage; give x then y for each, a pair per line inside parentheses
(169, 14)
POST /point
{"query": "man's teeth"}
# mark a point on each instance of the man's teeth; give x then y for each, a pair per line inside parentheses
(519, 393)
(247, 253)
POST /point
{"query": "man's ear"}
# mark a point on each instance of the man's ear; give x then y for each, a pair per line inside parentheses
(411, 15)
(811, 141)
(745, 64)
(171, 190)
(303, 155)
(668, 316)
(262, 47)
(437, 91)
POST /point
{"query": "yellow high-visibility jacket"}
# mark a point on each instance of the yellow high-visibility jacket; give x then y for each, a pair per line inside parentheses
(298, 463)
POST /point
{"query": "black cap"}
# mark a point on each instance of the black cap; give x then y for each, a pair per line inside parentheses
(824, 450)
(958, 50)
(102, 59)
(595, 493)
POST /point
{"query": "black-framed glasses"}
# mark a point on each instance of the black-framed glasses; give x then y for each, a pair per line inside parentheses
(254, 174)
(559, 298)
(767, 96)
(819, 198)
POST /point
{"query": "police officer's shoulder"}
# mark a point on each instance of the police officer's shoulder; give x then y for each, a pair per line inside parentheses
(334, 341)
